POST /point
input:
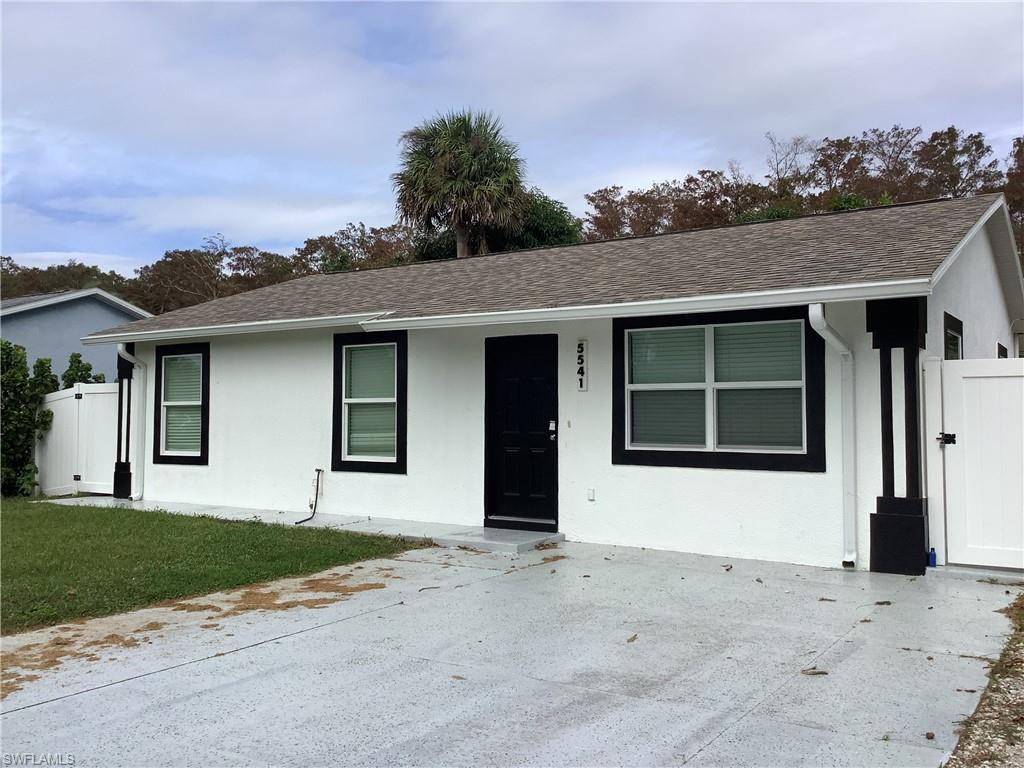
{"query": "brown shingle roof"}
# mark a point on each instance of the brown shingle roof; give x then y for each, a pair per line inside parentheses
(866, 246)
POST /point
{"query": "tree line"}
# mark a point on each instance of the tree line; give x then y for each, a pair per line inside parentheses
(878, 167)
(460, 191)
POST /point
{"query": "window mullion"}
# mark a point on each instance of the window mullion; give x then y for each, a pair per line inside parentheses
(710, 436)
(758, 384)
(666, 386)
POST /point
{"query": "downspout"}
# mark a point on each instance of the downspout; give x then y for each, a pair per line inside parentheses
(140, 458)
(816, 316)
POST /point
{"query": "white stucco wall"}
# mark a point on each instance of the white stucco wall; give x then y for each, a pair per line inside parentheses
(270, 426)
(971, 291)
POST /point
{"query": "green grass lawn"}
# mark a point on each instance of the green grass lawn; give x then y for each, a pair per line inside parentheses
(59, 563)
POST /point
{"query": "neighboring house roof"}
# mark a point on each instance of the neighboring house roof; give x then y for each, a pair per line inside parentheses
(869, 253)
(25, 303)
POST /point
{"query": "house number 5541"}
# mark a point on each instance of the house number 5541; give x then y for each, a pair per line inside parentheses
(581, 366)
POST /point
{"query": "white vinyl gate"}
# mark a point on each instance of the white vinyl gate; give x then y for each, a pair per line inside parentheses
(77, 454)
(982, 408)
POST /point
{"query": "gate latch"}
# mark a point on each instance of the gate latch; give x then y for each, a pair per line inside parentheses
(947, 438)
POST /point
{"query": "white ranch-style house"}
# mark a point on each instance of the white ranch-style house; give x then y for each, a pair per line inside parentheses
(752, 391)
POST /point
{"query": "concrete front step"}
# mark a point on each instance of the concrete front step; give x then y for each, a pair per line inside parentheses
(497, 539)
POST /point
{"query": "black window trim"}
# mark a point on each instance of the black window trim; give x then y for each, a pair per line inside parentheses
(811, 460)
(952, 324)
(338, 461)
(1001, 352)
(173, 350)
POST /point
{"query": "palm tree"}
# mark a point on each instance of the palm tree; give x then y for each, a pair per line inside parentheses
(459, 171)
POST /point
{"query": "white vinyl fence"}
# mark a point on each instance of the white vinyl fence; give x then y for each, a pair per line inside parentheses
(976, 475)
(77, 454)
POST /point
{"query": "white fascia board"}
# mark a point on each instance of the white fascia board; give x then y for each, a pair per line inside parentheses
(1012, 260)
(258, 326)
(61, 298)
(1007, 260)
(720, 302)
(118, 302)
(978, 225)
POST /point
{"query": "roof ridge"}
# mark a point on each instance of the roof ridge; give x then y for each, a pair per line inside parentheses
(818, 252)
(628, 238)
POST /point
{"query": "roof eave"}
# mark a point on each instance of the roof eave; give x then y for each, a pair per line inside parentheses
(61, 298)
(233, 329)
(379, 321)
(718, 302)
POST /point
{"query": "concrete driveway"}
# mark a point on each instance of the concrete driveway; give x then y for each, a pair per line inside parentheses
(578, 655)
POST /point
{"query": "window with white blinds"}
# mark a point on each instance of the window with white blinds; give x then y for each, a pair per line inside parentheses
(182, 405)
(736, 387)
(369, 403)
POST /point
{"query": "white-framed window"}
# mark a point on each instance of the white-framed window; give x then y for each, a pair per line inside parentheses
(181, 405)
(369, 403)
(736, 387)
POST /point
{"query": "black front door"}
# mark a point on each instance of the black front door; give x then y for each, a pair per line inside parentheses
(521, 441)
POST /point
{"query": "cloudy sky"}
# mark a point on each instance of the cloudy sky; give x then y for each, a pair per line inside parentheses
(132, 128)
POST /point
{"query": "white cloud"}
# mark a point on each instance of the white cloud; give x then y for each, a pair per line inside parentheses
(241, 220)
(238, 77)
(124, 265)
(137, 127)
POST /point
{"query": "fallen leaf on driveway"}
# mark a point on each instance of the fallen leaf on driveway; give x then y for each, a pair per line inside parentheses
(631, 639)
(421, 589)
(883, 602)
(826, 600)
(929, 735)
(865, 621)
(813, 671)
(727, 567)
(458, 677)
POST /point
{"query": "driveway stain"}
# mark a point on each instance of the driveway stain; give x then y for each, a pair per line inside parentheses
(49, 648)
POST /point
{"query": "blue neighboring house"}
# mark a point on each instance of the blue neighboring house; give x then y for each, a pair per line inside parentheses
(52, 325)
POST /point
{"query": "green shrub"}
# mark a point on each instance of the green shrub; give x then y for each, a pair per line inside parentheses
(22, 422)
(79, 372)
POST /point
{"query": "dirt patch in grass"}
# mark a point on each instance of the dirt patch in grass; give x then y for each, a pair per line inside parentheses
(62, 563)
(193, 607)
(152, 626)
(27, 655)
(994, 734)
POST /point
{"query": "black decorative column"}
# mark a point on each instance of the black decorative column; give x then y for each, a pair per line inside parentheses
(899, 531)
(122, 463)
